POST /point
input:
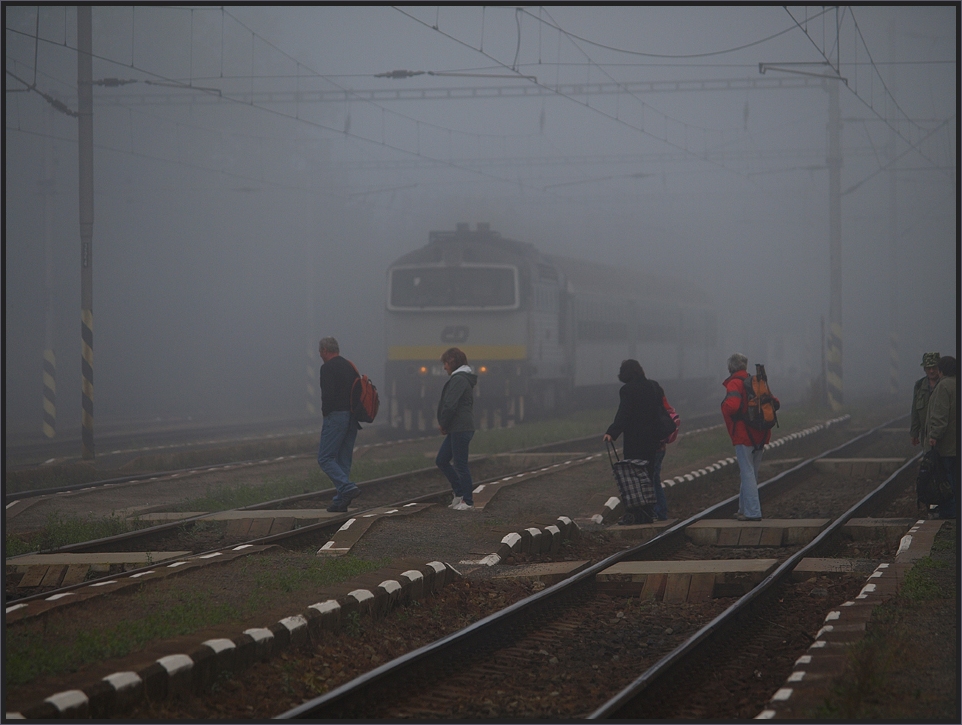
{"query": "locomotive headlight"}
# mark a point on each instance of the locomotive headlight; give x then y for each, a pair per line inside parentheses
(423, 370)
(483, 369)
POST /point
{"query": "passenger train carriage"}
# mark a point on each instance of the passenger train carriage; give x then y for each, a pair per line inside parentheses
(542, 331)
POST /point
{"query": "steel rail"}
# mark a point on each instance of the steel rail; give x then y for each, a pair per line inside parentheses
(311, 530)
(485, 632)
(663, 667)
(134, 478)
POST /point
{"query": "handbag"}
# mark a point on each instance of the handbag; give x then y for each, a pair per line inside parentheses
(932, 485)
(634, 481)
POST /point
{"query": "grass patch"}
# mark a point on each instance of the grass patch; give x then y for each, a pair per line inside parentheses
(255, 450)
(537, 433)
(497, 440)
(920, 584)
(58, 645)
(901, 671)
(52, 476)
(61, 530)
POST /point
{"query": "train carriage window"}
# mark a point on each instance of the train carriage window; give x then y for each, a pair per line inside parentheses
(462, 287)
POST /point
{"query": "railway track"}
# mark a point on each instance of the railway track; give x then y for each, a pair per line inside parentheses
(551, 655)
(303, 523)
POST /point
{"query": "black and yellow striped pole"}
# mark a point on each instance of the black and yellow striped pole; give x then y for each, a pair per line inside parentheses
(85, 138)
(834, 162)
(49, 393)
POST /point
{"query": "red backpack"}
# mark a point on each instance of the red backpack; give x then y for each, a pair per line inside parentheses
(364, 398)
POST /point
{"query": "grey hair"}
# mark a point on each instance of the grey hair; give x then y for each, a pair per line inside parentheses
(329, 344)
(737, 362)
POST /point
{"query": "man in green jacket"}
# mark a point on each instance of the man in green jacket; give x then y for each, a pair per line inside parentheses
(920, 396)
(941, 428)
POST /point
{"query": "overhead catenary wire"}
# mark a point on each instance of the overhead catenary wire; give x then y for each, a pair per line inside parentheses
(707, 54)
(572, 98)
(888, 123)
(316, 124)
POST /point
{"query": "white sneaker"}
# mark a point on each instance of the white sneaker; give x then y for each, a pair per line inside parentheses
(455, 501)
(462, 506)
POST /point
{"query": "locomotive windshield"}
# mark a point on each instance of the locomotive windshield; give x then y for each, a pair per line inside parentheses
(462, 287)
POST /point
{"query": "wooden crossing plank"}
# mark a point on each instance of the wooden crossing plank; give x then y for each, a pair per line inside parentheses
(33, 576)
(260, 527)
(750, 536)
(282, 524)
(702, 587)
(676, 590)
(727, 537)
(654, 587)
(239, 527)
(771, 536)
(695, 566)
(728, 532)
(679, 581)
(53, 576)
(76, 573)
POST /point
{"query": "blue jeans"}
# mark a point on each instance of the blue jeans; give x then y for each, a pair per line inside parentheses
(336, 452)
(454, 449)
(748, 462)
(661, 503)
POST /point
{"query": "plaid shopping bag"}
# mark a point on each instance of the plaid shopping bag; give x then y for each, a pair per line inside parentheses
(634, 481)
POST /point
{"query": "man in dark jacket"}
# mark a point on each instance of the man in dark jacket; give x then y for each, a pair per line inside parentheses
(456, 423)
(920, 397)
(336, 450)
(749, 442)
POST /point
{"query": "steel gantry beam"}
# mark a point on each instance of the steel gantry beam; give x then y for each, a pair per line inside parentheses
(184, 94)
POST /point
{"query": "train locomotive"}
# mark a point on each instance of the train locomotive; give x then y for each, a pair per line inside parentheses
(544, 332)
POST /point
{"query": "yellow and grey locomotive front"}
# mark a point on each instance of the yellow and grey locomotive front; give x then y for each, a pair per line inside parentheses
(480, 292)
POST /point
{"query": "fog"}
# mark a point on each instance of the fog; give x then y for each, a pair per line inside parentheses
(254, 177)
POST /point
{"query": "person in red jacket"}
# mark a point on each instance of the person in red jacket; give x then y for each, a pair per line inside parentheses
(749, 442)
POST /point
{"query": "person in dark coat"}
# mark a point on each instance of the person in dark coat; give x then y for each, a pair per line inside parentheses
(637, 416)
(456, 424)
(637, 419)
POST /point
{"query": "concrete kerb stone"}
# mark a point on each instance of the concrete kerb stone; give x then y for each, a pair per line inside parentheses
(324, 615)
(554, 538)
(412, 582)
(263, 642)
(390, 591)
(179, 669)
(179, 674)
(531, 540)
(537, 539)
(70, 704)
(437, 572)
(360, 601)
(845, 625)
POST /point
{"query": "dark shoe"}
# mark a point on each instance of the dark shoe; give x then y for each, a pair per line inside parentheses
(335, 508)
(349, 497)
(743, 517)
